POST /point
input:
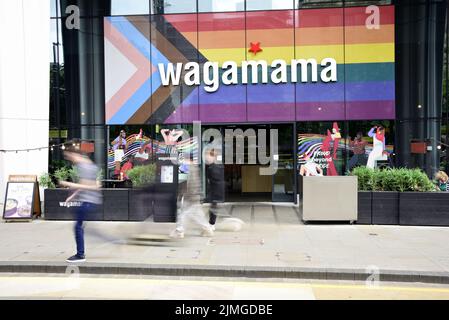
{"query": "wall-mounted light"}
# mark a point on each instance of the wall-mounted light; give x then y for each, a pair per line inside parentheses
(419, 106)
(439, 147)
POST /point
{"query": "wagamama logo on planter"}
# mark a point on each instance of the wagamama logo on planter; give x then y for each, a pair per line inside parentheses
(171, 73)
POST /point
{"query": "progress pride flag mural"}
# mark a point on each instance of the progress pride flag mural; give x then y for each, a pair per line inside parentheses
(365, 86)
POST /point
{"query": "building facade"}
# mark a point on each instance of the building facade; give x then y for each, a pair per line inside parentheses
(317, 72)
(24, 94)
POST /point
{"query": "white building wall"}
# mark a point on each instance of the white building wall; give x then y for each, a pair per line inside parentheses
(24, 87)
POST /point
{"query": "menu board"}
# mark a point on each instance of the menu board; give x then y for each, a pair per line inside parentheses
(19, 200)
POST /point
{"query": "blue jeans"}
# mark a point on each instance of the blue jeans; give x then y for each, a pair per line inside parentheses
(81, 213)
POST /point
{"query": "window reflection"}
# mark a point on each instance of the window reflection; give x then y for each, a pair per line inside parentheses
(362, 145)
(55, 9)
(173, 6)
(126, 7)
(320, 146)
(269, 4)
(338, 3)
(220, 5)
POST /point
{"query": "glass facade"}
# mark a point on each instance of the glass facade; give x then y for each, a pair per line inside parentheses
(114, 72)
(362, 88)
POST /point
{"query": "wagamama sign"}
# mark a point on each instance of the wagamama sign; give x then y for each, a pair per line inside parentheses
(171, 73)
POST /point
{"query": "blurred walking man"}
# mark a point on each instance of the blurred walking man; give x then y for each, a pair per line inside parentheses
(190, 207)
(215, 185)
(87, 192)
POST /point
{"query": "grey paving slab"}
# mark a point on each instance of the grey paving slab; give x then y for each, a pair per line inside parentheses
(275, 244)
(242, 212)
(285, 215)
(264, 214)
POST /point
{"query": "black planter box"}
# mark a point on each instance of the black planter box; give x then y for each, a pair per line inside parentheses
(165, 203)
(55, 206)
(424, 208)
(57, 209)
(364, 209)
(385, 206)
(115, 203)
(140, 204)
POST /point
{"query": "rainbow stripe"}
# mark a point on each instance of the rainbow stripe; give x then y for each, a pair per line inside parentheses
(365, 89)
(366, 81)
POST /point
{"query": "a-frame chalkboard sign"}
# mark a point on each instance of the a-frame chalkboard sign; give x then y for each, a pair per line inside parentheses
(22, 200)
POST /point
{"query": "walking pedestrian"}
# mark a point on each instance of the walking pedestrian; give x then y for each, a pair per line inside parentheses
(215, 185)
(86, 192)
(190, 207)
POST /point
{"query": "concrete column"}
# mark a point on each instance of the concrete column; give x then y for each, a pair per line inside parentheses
(24, 87)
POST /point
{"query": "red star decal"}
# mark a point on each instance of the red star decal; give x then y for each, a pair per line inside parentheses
(255, 47)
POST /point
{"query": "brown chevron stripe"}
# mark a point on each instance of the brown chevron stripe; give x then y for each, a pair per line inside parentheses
(162, 94)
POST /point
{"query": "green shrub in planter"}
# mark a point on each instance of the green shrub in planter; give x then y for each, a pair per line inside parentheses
(62, 174)
(142, 176)
(46, 182)
(420, 182)
(74, 175)
(67, 174)
(365, 178)
(397, 179)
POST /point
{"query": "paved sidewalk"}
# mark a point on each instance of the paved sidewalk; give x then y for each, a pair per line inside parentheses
(273, 243)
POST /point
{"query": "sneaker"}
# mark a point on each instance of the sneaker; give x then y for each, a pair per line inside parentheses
(176, 234)
(212, 227)
(207, 232)
(76, 258)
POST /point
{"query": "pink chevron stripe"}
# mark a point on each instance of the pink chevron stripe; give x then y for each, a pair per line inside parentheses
(139, 77)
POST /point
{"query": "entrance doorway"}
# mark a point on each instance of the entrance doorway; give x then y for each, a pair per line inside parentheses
(244, 180)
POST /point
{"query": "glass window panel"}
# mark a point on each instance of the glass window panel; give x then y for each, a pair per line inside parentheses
(140, 149)
(370, 68)
(321, 144)
(220, 5)
(338, 3)
(269, 4)
(57, 75)
(359, 144)
(221, 38)
(55, 10)
(128, 70)
(53, 52)
(126, 7)
(175, 40)
(319, 35)
(274, 31)
(173, 6)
